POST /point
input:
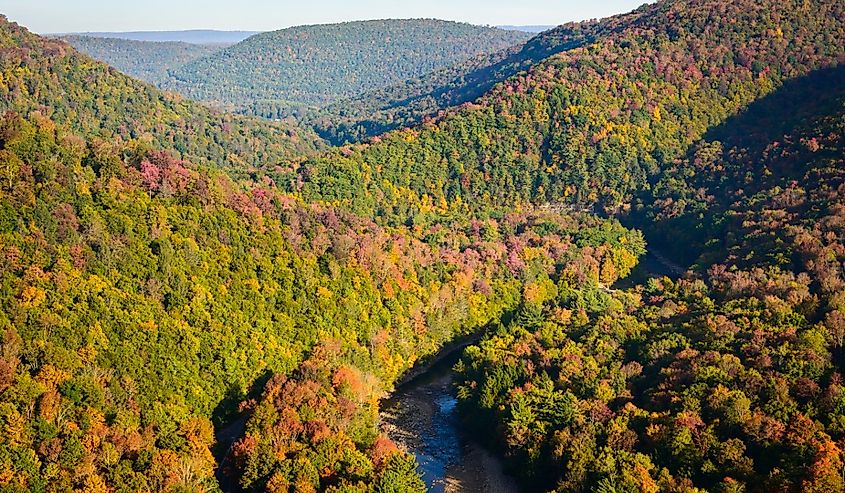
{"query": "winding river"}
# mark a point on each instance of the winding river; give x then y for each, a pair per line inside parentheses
(422, 417)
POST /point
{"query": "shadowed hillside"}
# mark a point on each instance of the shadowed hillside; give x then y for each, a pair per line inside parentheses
(271, 74)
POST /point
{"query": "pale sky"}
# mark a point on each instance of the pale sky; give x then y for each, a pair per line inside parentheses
(54, 16)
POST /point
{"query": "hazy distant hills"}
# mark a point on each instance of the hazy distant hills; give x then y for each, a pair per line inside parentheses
(527, 29)
(364, 77)
(146, 60)
(271, 73)
(92, 98)
(197, 36)
(275, 74)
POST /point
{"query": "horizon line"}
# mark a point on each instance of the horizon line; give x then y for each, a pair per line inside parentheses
(217, 30)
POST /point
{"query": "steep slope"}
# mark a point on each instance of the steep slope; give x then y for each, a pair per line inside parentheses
(748, 189)
(720, 120)
(271, 73)
(143, 296)
(731, 383)
(409, 102)
(146, 299)
(51, 77)
(594, 125)
(145, 60)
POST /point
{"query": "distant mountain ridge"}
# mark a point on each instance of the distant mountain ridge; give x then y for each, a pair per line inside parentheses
(194, 36)
(528, 29)
(272, 74)
(409, 102)
(92, 98)
(591, 125)
(150, 61)
(187, 67)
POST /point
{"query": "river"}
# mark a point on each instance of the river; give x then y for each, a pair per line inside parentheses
(422, 418)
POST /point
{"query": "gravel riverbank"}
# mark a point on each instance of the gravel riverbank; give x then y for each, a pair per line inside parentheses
(422, 418)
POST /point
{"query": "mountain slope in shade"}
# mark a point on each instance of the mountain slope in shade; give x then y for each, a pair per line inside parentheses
(411, 101)
(91, 98)
(315, 65)
(149, 61)
(594, 125)
(758, 187)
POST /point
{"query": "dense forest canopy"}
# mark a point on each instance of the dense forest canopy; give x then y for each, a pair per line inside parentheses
(168, 270)
(149, 61)
(271, 74)
(592, 126)
(409, 102)
(731, 383)
(91, 98)
(143, 296)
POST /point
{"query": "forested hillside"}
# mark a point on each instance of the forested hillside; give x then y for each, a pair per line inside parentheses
(169, 270)
(409, 102)
(717, 127)
(51, 77)
(594, 125)
(143, 296)
(149, 61)
(729, 197)
(733, 383)
(147, 300)
(272, 74)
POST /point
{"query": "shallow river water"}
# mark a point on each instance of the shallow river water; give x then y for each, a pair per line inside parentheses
(422, 417)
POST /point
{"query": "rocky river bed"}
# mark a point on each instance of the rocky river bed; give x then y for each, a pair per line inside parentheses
(422, 417)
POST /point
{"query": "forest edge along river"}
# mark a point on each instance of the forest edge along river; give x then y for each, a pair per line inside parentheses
(422, 416)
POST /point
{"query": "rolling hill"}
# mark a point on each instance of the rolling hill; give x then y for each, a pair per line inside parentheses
(50, 77)
(408, 103)
(272, 73)
(169, 270)
(149, 61)
(151, 293)
(591, 126)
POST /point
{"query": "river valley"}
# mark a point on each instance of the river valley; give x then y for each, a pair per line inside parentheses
(422, 417)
